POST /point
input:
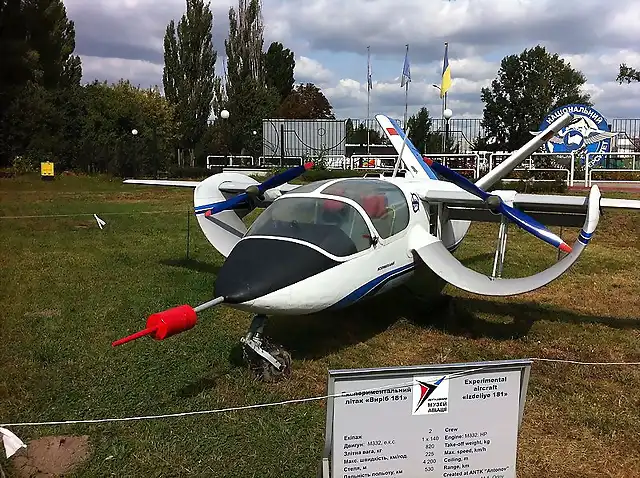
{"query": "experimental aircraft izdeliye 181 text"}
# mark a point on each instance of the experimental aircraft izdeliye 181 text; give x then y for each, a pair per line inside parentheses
(331, 243)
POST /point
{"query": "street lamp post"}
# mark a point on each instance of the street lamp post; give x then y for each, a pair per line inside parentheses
(224, 114)
(447, 116)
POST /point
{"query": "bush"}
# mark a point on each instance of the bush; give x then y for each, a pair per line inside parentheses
(615, 175)
(193, 173)
(531, 187)
(25, 164)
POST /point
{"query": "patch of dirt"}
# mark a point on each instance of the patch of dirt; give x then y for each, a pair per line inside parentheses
(46, 313)
(51, 456)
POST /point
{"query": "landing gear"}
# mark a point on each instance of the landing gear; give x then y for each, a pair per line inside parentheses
(268, 362)
(501, 248)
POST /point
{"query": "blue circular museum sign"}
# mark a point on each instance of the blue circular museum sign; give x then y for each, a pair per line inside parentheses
(590, 133)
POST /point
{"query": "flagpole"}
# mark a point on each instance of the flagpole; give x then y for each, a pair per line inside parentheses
(444, 107)
(368, 97)
(406, 93)
(444, 98)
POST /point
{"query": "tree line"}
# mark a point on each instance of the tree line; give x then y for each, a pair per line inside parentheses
(46, 114)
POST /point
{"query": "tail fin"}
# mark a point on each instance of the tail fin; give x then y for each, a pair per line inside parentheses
(410, 156)
(224, 229)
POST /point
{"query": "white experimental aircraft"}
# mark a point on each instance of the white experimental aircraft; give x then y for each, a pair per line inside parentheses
(331, 243)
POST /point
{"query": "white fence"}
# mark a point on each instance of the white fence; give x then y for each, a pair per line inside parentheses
(540, 167)
(631, 160)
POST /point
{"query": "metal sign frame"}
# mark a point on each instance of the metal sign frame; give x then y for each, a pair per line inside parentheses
(364, 374)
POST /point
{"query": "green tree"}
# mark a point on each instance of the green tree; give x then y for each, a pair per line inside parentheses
(419, 126)
(245, 60)
(358, 135)
(306, 101)
(421, 134)
(189, 71)
(279, 64)
(627, 74)
(246, 94)
(52, 37)
(40, 96)
(112, 112)
(527, 87)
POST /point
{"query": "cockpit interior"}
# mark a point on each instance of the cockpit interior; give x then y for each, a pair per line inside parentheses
(318, 214)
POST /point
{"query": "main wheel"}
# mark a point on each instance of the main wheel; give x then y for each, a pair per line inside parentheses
(263, 369)
(269, 373)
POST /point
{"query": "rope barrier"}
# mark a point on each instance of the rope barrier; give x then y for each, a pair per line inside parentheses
(287, 402)
(90, 214)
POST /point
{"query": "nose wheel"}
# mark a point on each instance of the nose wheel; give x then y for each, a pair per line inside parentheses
(268, 362)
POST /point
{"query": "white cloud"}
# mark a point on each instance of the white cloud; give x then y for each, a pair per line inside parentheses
(310, 70)
(139, 72)
(123, 38)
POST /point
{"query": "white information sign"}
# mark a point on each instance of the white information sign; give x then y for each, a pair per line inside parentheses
(452, 420)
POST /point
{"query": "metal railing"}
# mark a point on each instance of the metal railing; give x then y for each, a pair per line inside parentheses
(220, 160)
(589, 170)
(560, 162)
(471, 162)
(539, 167)
(372, 161)
(279, 161)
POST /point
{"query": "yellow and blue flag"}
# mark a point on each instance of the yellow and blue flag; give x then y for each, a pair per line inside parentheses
(446, 72)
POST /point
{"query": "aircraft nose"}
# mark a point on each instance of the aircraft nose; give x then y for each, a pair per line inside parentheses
(258, 266)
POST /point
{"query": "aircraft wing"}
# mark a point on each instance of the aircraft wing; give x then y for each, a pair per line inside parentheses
(163, 182)
(435, 255)
(549, 209)
(229, 187)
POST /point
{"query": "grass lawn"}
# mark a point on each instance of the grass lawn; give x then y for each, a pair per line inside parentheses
(68, 289)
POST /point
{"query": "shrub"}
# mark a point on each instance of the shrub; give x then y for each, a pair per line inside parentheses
(533, 187)
(616, 175)
(193, 173)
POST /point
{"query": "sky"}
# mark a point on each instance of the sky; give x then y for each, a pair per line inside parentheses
(124, 39)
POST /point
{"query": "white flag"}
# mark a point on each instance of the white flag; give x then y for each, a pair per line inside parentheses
(99, 221)
(11, 442)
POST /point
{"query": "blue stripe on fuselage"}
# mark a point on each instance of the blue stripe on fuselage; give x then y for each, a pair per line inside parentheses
(413, 149)
(361, 291)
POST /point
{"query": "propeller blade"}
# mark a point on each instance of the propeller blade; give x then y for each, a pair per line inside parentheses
(532, 226)
(456, 178)
(272, 182)
(521, 219)
(225, 205)
(280, 179)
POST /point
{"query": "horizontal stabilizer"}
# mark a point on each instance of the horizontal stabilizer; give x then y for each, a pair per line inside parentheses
(436, 256)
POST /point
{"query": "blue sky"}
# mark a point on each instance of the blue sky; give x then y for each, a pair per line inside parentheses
(123, 39)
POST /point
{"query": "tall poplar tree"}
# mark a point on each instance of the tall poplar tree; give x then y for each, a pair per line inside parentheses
(189, 71)
(52, 36)
(279, 65)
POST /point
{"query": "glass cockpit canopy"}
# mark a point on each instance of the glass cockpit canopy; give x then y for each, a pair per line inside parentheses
(332, 224)
(384, 202)
(340, 231)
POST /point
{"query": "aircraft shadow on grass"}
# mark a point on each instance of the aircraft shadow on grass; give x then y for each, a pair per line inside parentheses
(313, 337)
(318, 335)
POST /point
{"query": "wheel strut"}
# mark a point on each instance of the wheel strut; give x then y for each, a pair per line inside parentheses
(271, 361)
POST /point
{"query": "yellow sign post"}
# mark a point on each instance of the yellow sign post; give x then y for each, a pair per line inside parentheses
(46, 170)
